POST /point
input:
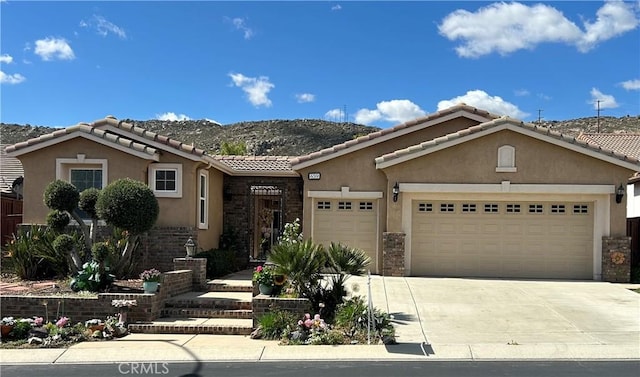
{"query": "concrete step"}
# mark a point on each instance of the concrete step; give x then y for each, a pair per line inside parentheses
(214, 326)
(206, 313)
(211, 300)
(229, 286)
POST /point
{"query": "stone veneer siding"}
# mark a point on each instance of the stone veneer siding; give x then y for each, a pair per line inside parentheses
(236, 205)
(80, 309)
(616, 259)
(262, 304)
(393, 245)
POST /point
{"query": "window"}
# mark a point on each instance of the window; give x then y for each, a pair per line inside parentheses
(344, 206)
(425, 207)
(467, 207)
(86, 178)
(513, 208)
(447, 207)
(203, 196)
(324, 205)
(580, 209)
(490, 208)
(535, 208)
(558, 208)
(166, 180)
(366, 206)
(506, 159)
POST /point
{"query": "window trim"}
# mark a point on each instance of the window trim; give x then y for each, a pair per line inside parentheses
(153, 168)
(64, 166)
(203, 200)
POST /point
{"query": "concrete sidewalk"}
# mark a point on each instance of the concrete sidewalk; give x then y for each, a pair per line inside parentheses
(435, 319)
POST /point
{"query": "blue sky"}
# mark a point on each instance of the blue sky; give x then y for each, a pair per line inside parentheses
(375, 63)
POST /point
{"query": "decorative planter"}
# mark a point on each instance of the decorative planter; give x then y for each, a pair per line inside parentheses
(150, 286)
(265, 289)
(5, 330)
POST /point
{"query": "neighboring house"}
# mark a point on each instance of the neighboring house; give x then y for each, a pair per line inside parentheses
(461, 192)
(626, 143)
(11, 182)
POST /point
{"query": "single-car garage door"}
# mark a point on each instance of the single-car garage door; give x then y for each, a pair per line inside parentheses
(350, 222)
(502, 239)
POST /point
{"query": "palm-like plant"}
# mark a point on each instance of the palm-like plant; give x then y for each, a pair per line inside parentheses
(301, 262)
(346, 260)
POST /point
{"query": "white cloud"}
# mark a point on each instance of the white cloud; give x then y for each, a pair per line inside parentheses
(256, 88)
(336, 115)
(507, 27)
(482, 100)
(396, 111)
(336, 7)
(240, 24)
(170, 116)
(607, 101)
(305, 97)
(11, 79)
(631, 84)
(6, 59)
(103, 26)
(54, 48)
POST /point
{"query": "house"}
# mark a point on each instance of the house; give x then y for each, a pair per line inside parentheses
(11, 178)
(194, 189)
(460, 192)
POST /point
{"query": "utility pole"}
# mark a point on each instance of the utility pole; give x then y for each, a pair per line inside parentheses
(344, 114)
(540, 116)
(598, 118)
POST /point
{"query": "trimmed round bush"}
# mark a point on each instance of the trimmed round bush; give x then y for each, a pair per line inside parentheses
(100, 251)
(58, 220)
(63, 243)
(129, 205)
(88, 199)
(61, 195)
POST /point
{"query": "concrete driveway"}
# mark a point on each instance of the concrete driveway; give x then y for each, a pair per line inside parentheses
(478, 318)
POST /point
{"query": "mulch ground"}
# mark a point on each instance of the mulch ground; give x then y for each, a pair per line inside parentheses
(10, 284)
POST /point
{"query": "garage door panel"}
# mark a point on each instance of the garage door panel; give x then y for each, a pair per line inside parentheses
(541, 240)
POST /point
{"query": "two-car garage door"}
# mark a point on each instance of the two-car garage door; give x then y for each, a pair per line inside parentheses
(502, 239)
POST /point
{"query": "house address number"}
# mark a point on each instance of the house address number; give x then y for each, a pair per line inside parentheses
(314, 176)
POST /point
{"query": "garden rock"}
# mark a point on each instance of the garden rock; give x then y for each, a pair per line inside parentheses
(256, 334)
(35, 340)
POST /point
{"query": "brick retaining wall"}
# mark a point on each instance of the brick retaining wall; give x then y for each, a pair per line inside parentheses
(616, 259)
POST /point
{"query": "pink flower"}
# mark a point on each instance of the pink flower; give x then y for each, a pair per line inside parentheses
(259, 269)
(62, 322)
(38, 321)
(308, 323)
(316, 317)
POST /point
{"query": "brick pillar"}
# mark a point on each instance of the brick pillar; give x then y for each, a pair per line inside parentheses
(393, 253)
(199, 268)
(616, 259)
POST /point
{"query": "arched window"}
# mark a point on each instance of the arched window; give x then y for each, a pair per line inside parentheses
(506, 159)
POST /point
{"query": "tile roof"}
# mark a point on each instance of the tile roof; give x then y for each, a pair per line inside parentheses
(249, 165)
(85, 129)
(10, 170)
(126, 135)
(378, 136)
(625, 143)
(422, 148)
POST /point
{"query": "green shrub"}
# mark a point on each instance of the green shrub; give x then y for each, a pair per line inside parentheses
(219, 262)
(61, 195)
(117, 242)
(91, 278)
(276, 323)
(128, 204)
(88, 200)
(58, 220)
(100, 252)
(30, 250)
(352, 317)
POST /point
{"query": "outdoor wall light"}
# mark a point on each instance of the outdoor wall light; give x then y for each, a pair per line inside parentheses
(191, 247)
(619, 193)
(395, 191)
